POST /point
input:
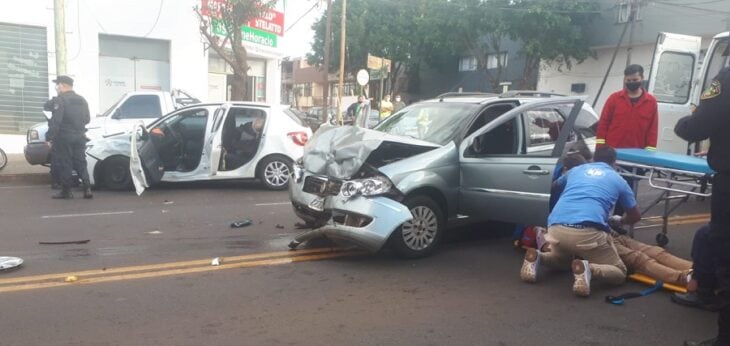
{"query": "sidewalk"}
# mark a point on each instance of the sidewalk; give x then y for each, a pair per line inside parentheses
(18, 170)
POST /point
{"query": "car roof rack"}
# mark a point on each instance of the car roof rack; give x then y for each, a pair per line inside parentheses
(464, 94)
(530, 93)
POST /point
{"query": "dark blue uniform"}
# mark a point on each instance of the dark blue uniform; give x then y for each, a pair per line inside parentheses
(712, 120)
(67, 133)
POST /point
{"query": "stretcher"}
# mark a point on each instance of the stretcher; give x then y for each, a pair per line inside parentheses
(677, 177)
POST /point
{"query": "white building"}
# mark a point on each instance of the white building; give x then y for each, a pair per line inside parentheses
(114, 47)
(704, 20)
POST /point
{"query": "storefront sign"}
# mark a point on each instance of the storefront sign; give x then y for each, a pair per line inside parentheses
(249, 34)
(272, 21)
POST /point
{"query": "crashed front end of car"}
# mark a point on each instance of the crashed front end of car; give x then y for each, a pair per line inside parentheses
(338, 190)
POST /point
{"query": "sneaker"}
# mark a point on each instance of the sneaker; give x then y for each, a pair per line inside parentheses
(528, 273)
(582, 273)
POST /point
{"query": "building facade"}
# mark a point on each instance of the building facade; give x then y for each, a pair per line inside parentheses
(704, 19)
(115, 47)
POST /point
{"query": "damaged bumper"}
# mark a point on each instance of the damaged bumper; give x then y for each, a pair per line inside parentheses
(364, 221)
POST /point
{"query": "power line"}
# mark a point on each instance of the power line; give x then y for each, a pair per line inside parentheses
(691, 7)
(316, 4)
(159, 11)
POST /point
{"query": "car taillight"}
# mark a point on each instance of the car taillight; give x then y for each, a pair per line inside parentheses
(299, 138)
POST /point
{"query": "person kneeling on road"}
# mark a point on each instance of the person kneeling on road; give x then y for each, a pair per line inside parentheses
(578, 225)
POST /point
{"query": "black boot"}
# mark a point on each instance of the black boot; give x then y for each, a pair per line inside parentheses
(87, 192)
(65, 193)
(709, 342)
(697, 300)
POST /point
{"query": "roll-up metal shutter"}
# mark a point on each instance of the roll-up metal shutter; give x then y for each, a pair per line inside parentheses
(23, 76)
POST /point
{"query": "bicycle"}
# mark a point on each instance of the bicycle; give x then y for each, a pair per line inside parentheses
(3, 159)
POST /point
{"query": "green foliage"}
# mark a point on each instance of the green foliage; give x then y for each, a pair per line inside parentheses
(434, 32)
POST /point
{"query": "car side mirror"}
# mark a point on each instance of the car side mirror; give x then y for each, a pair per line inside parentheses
(141, 133)
(117, 114)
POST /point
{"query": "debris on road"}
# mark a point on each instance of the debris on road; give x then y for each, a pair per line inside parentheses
(85, 241)
(71, 278)
(166, 202)
(165, 211)
(155, 232)
(279, 226)
(10, 262)
(242, 223)
(216, 261)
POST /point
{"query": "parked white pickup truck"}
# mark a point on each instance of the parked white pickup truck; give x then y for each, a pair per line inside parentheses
(133, 107)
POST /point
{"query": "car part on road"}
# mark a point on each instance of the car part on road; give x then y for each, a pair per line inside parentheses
(166, 202)
(85, 241)
(242, 223)
(274, 171)
(116, 173)
(420, 236)
(7, 263)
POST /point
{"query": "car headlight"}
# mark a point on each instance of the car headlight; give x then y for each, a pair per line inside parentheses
(33, 135)
(366, 187)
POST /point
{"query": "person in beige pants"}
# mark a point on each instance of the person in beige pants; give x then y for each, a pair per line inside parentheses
(653, 261)
(578, 225)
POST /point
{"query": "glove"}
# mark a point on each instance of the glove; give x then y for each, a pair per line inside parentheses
(615, 221)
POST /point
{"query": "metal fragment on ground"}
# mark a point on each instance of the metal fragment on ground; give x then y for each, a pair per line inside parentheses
(7, 263)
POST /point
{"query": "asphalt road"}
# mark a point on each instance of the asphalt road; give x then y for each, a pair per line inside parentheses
(145, 278)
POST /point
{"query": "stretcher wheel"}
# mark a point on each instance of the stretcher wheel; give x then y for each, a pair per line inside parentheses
(662, 239)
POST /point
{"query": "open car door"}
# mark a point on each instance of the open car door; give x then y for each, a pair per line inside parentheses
(507, 166)
(145, 164)
(216, 141)
(671, 79)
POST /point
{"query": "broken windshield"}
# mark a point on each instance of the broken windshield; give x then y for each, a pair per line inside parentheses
(432, 122)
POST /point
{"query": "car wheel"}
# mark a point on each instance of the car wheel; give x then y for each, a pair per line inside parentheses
(116, 173)
(419, 237)
(275, 172)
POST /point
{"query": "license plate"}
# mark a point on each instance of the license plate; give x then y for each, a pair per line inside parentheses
(317, 204)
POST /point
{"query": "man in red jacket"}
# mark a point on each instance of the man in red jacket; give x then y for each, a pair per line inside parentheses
(629, 117)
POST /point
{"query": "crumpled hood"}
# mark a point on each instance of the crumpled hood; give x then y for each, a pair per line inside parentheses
(340, 152)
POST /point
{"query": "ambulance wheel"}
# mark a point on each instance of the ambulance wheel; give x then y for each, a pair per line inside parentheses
(662, 239)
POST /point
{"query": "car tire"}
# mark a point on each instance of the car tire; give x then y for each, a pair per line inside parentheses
(421, 236)
(116, 173)
(275, 172)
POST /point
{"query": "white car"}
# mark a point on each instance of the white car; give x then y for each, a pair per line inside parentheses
(201, 142)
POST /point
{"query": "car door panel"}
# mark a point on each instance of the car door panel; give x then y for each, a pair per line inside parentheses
(511, 187)
(145, 164)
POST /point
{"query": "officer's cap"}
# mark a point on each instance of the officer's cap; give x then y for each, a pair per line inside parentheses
(64, 79)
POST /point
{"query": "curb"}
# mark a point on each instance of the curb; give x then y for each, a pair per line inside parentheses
(29, 178)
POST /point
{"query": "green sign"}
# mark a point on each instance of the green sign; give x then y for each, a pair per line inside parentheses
(249, 34)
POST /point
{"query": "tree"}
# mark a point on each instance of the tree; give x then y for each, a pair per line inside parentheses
(402, 31)
(550, 31)
(221, 23)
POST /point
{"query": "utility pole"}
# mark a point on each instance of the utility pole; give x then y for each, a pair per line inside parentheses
(633, 10)
(327, 45)
(343, 36)
(59, 17)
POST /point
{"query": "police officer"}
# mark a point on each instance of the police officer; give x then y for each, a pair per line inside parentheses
(67, 136)
(712, 120)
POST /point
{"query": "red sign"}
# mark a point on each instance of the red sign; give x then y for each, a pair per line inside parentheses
(272, 21)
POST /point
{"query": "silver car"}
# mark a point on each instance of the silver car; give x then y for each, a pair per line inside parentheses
(434, 165)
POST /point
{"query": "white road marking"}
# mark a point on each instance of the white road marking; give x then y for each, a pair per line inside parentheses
(85, 215)
(269, 204)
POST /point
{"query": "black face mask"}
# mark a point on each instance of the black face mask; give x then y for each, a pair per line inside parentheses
(633, 86)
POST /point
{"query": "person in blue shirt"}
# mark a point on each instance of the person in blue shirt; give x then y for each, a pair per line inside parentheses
(578, 225)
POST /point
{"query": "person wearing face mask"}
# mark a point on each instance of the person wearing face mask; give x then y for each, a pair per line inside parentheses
(629, 118)
(398, 104)
(67, 136)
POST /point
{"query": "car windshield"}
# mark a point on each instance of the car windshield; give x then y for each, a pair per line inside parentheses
(435, 122)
